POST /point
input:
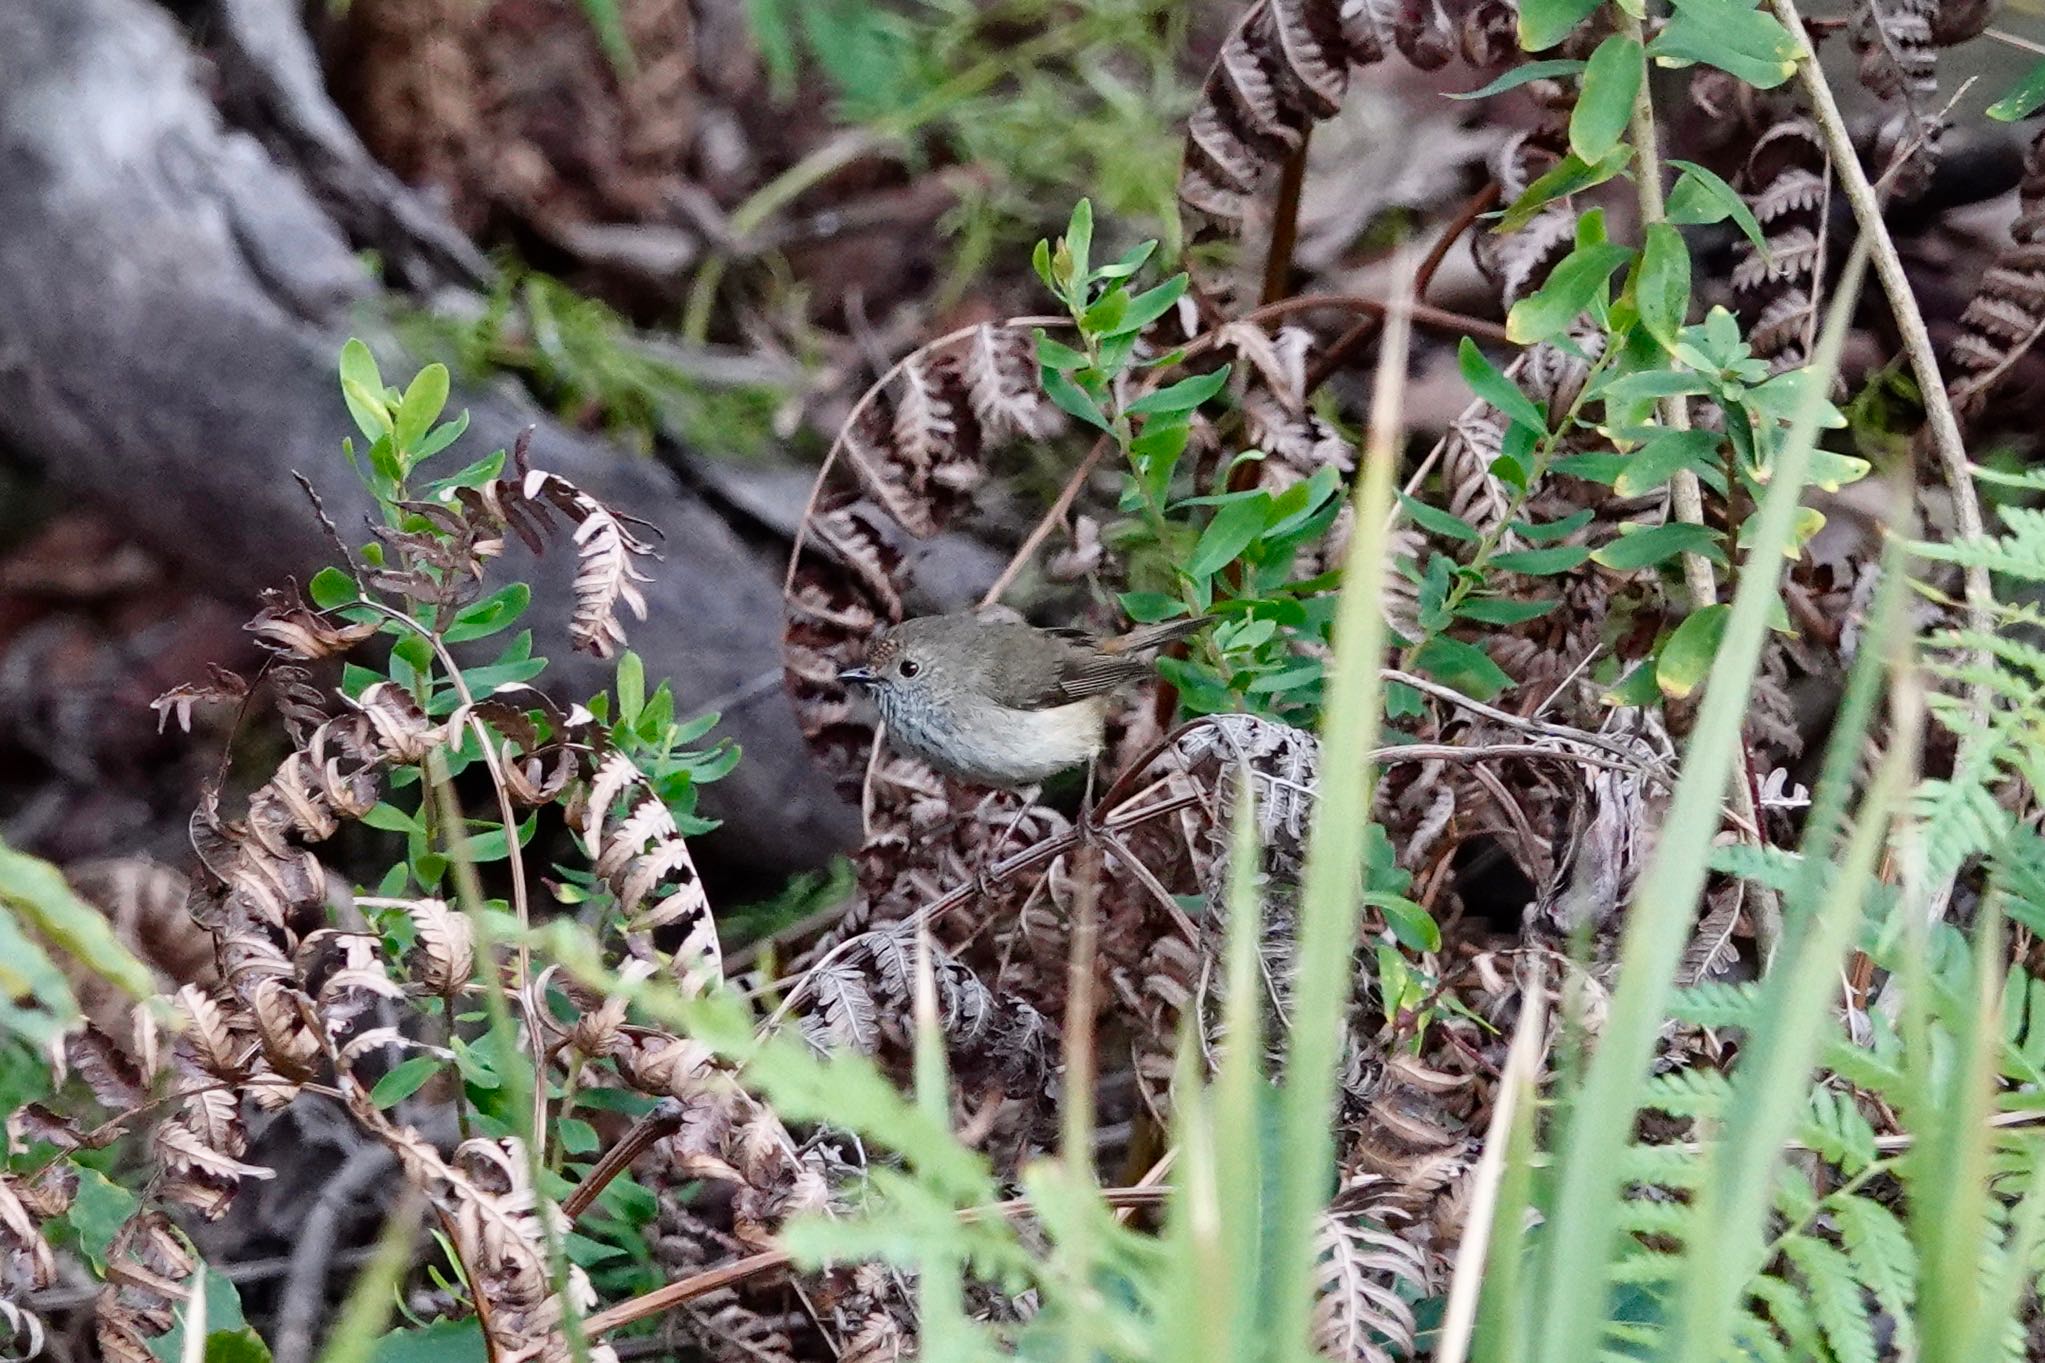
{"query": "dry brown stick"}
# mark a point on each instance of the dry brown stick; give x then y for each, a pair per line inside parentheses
(769, 1261)
(664, 1120)
(1942, 427)
(1285, 222)
(1349, 342)
(1053, 515)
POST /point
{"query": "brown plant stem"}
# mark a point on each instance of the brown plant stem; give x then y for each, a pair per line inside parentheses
(664, 1120)
(1285, 222)
(772, 1260)
(1942, 427)
(1686, 495)
(1349, 342)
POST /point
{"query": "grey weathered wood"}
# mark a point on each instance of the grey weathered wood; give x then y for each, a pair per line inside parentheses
(172, 300)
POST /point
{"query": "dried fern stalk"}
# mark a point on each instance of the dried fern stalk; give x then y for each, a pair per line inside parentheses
(2007, 313)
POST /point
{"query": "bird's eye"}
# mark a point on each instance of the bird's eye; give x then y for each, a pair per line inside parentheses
(910, 667)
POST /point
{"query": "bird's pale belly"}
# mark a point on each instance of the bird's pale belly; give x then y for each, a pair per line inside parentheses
(998, 746)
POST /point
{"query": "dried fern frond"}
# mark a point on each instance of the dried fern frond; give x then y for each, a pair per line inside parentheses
(288, 626)
(222, 687)
(1367, 1276)
(2007, 313)
(1284, 66)
(636, 850)
(917, 439)
(863, 999)
(841, 590)
(1788, 184)
(1899, 61)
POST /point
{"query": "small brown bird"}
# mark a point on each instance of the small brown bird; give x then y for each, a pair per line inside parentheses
(1001, 703)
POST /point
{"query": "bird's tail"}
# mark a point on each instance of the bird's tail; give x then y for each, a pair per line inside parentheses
(1147, 637)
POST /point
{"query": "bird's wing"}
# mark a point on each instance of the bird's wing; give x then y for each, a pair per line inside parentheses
(1031, 669)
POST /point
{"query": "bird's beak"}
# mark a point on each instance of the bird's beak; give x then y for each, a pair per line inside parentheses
(857, 676)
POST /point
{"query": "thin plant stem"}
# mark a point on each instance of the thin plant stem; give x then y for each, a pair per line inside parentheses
(1330, 902)
(1686, 496)
(1942, 426)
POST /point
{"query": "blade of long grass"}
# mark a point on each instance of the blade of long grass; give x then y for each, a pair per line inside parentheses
(1771, 1088)
(1583, 1230)
(1946, 1174)
(1497, 1213)
(1205, 1295)
(1330, 896)
(2004, 1297)
(1240, 1094)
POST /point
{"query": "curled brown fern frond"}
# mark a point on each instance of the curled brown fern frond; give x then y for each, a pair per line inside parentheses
(2007, 313)
(221, 687)
(1788, 184)
(1283, 67)
(1366, 1278)
(1899, 61)
(636, 850)
(841, 590)
(288, 626)
(863, 999)
(918, 438)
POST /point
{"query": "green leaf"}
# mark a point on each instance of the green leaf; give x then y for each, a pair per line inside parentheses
(1544, 23)
(1542, 562)
(444, 1341)
(1465, 667)
(1499, 610)
(1234, 528)
(1635, 689)
(1490, 383)
(403, 1080)
(1079, 238)
(1661, 284)
(1439, 522)
(1550, 532)
(1686, 657)
(1733, 37)
(421, 407)
(2026, 99)
(1611, 84)
(1659, 460)
(330, 587)
(497, 611)
(577, 1136)
(1658, 544)
(1059, 355)
(98, 1211)
(1149, 607)
(1524, 74)
(1297, 673)
(362, 387)
(631, 687)
(1601, 466)
(1701, 196)
(1132, 260)
(1570, 175)
(1183, 396)
(37, 892)
(241, 1345)
(1148, 306)
(1105, 316)
(445, 434)
(1577, 283)
(390, 819)
(1071, 399)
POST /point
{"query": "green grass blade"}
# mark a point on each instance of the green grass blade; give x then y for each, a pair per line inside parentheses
(1330, 898)
(1583, 1229)
(1771, 1087)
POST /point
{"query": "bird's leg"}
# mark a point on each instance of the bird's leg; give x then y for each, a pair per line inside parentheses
(1086, 804)
(991, 854)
